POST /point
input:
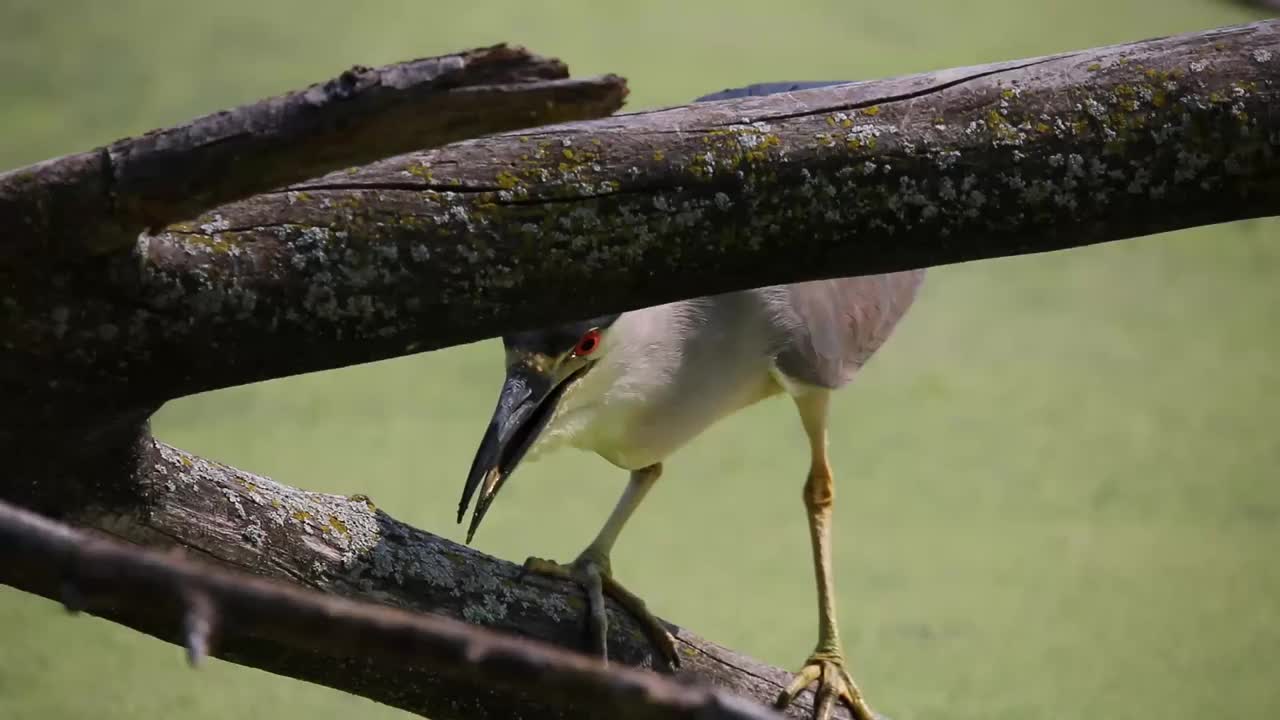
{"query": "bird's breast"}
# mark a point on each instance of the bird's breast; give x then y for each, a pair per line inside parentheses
(637, 429)
(673, 371)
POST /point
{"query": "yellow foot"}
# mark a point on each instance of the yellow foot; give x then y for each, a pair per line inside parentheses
(834, 683)
(592, 573)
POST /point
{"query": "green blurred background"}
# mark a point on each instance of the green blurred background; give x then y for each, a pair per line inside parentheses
(1058, 483)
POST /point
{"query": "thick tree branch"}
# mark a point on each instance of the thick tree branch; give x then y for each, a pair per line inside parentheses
(348, 547)
(99, 201)
(463, 242)
(202, 606)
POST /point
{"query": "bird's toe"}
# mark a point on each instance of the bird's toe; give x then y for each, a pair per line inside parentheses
(834, 685)
(542, 566)
(593, 574)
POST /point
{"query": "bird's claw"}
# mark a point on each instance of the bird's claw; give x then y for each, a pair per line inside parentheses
(593, 574)
(834, 683)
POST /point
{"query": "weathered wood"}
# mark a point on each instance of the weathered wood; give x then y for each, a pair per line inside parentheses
(349, 547)
(98, 202)
(462, 242)
(405, 657)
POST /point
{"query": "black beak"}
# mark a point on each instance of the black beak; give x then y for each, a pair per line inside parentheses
(526, 404)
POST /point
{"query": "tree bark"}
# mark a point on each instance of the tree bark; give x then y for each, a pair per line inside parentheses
(490, 235)
(460, 243)
(362, 115)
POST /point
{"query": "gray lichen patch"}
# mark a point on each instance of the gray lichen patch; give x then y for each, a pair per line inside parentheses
(481, 590)
(337, 528)
(344, 540)
(488, 611)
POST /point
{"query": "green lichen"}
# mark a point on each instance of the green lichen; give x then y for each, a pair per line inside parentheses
(507, 180)
(339, 526)
(368, 502)
(1001, 129)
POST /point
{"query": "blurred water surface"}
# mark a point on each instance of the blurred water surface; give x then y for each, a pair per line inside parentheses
(1058, 484)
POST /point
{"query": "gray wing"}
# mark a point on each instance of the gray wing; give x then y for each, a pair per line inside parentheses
(830, 328)
(768, 88)
(827, 329)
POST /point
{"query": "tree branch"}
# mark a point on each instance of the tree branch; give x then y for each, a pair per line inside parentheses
(362, 115)
(171, 597)
(348, 547)
(463, 242)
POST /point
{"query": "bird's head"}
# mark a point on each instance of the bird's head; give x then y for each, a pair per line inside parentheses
(542, 367)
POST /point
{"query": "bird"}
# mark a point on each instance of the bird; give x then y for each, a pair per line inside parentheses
(634, 387)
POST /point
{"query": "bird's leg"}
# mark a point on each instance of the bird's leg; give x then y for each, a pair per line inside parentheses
(591, 570)
(827, 664)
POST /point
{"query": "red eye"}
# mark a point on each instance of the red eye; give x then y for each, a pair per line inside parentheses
(588, 343)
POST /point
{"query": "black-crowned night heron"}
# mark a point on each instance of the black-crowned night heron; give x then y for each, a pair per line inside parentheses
(637, 386)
